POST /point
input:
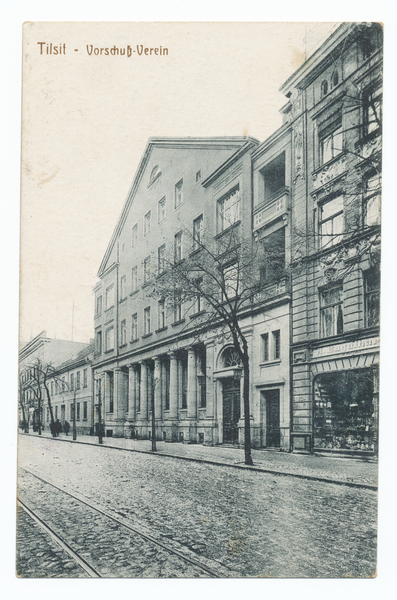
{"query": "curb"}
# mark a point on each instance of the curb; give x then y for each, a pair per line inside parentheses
(365, 486)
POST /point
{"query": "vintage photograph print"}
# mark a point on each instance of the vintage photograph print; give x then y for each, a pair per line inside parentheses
(200, 300)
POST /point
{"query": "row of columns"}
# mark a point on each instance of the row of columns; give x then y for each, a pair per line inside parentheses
(134, 388)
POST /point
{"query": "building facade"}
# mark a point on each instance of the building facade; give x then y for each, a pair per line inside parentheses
(309, 198)
(334, 111)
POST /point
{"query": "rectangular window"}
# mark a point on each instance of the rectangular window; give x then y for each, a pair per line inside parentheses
(161, 210)
(72, 381)
(178, 247)
(166, 385)
(276, 345)
(85, 378)
(179, 193)
(161, 314)
(177, 307)
(198, 176)
(198, 304)
(134, 327)
(147, 324)
(372, 188)
(197, 232)
(273, 263)
(372, 298)
(123, 287)
(183, 381)
(110, 338)
(110, 297)
(134, 235)
(372, 112)
(123, 332)
(230, 282)
(134, 285)
(331, 144)
(78, 411)
(274, 177)
(265, 347)
(331, 311)
(146, 269)
(331, 222)
(85, 410)
(201, 379)
(147, 223)
(78, 380)
(161, 259)
(63, 385)
(229, 209)
(98, 342)
(98, 308)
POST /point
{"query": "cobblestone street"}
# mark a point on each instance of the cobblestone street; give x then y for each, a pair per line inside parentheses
(249, 523)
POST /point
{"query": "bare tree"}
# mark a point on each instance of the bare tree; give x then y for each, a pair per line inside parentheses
(222, 277)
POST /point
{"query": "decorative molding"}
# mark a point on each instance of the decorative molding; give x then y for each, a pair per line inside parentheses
(298, 137)
(328, 173)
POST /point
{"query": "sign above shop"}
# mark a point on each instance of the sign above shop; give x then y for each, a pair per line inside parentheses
(346, 347)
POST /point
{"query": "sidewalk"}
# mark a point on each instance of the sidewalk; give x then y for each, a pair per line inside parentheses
(356, 472)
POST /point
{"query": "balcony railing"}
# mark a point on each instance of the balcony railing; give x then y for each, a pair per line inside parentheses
(271, 210)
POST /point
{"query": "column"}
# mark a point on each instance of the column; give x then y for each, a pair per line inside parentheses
(131, 393)
(144, 397)
(191, 384)
(157, 389)
(105, 392)
(119, 395)
(210, 392)
(173, 414)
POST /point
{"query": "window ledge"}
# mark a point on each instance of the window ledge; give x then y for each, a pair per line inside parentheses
(134, 292)
(197, 314)
(270, 363)
(134, 341)
(108, 351)
(195, 251)
(146, 284)
(227, 230)
(161, 329)
(123, 345)
(177, 322)
(329, 163)
(122, 299)
(107, 309)
(147, 335)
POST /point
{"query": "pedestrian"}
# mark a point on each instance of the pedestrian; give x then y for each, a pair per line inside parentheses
(66, 427)
(53, 428)
(58, 427)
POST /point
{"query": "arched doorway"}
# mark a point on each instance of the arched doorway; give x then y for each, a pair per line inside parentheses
(231, 395)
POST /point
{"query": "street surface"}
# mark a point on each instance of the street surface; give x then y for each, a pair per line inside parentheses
(250, 523)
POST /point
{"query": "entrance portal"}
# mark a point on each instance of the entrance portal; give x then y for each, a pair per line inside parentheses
(272, 398)
(231, 410)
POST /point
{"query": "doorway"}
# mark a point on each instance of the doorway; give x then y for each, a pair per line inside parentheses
(272, 402)
(231, 410)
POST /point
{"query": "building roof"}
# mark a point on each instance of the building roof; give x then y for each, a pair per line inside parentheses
(204, 143)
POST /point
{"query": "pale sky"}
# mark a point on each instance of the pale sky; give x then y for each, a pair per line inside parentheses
(86, 121)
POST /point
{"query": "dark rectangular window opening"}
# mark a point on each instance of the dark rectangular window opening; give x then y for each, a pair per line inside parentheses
(274, 176)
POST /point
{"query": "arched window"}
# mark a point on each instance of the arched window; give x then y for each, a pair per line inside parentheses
(230, 358)
(156, 172)
(324, 88)
(335, 79)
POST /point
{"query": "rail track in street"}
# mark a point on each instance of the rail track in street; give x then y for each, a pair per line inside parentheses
(84, 528)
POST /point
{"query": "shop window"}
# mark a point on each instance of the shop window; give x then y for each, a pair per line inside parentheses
(372, 200)
(123, 287)
(123, 332)
(273, 260)
(331, 311)
(134, 327)
(161, 210)
(229, 209)
(146, 321)
(331, 222)
(372, 298)
(274, 177)
(179, 193)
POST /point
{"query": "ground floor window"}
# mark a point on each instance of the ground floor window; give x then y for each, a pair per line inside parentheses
(345, 410)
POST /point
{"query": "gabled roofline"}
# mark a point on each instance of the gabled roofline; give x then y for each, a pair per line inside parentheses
(321, 58)
(221, 143)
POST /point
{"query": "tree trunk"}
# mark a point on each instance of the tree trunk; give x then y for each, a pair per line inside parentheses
(154, 447)
(49, 403)
(246, 398)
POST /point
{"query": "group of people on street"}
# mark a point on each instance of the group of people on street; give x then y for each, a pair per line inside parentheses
(56, 428)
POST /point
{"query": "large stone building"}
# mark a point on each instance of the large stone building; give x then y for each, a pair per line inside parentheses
(312, 191)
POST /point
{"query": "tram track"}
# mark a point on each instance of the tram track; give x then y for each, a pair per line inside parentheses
(154, 539)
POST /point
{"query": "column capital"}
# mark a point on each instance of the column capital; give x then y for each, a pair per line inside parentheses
(171, 354)
(157, 359)
(117, 370)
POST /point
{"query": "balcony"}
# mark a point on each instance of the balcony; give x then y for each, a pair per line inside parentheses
(271, 210)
